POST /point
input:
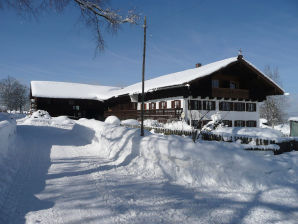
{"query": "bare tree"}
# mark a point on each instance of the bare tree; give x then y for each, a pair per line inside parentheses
(273, 108)
(94, 13)
(13, 94)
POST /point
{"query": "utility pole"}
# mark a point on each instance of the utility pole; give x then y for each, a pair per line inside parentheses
(143, 79)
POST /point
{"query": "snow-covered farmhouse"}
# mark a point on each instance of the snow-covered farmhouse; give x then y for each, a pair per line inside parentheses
(232, 87)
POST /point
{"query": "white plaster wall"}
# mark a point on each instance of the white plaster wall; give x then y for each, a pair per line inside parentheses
(168, 100)
(197, 114)
(226, 115)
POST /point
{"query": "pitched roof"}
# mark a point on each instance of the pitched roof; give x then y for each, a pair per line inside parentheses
(70, 90)
(177, 78)
(84, 91)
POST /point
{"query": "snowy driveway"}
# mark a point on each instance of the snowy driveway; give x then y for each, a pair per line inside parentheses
(65, 179)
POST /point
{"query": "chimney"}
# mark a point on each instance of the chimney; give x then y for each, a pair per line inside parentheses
(240, 56)
(198, 65)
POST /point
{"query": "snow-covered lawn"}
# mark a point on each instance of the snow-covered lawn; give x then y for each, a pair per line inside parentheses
(96, 172)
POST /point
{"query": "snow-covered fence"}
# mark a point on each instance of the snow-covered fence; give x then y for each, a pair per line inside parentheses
(278, 146)
(164, 131)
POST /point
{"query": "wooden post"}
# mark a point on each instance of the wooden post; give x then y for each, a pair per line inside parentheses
(143, 80)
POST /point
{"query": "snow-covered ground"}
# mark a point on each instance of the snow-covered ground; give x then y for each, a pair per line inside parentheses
(97, 172)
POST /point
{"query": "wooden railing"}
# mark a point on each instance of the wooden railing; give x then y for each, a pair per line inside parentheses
(230, 93)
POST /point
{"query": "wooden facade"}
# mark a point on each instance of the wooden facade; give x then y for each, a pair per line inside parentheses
(73, 108)
(237, 81)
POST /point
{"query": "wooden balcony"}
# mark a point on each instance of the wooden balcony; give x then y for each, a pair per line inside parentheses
(230, 93)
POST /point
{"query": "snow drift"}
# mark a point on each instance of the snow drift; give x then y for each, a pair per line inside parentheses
(215, 165)
(7, 134)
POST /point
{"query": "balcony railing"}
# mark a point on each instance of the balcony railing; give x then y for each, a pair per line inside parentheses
(230, 93)
(162, 112)
(159, 114)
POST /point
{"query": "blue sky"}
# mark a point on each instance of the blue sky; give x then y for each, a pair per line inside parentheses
(180, 34)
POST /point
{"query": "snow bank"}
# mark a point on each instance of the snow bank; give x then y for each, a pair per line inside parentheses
(7, 134)
(216, 165)
(7, 148)
(43, 118)
(112, 120)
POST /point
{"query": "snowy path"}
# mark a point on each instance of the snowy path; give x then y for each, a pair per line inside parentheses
(64, 180)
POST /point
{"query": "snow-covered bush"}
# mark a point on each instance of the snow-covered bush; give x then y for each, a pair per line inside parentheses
(112, 120)
(178, 125)
(41, 114)
(215, 122)
(131, 122)
(152, 123)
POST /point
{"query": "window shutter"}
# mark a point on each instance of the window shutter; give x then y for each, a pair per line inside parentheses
(173, 104)
(160, 105)
(145, 106)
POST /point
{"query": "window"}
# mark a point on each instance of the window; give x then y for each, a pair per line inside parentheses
(239, 106)
(163, 105)
(76, 107)
(239, 123)
(132, 106)
(194, 105)
(176, 104)
(227, 123)
(208, 105)
(225, 106)
(233, 85)
(251, 107)
(215, 83)
(71, 102)
(152, 106)
(251, 124)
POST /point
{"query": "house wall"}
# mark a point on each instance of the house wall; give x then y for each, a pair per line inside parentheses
(74, 108)
(225, 115)
(192, 116)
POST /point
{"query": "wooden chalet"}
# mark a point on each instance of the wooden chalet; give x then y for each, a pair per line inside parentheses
(232, 87)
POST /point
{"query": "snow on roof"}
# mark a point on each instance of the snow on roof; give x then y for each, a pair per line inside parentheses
(177, 78)
(84, 91)
(293, 119)
(51, 89)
